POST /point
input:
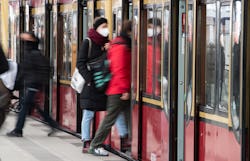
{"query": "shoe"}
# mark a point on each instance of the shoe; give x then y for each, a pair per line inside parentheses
(52, 132)
(98, 151)
(14, 133)
(125, 144)
(86, 145)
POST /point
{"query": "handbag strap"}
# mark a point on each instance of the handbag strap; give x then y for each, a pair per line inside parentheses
(90, 45)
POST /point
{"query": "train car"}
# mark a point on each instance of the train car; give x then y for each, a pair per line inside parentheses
(190, 72)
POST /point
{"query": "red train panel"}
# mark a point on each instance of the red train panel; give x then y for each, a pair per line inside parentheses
(217, 144)
(155, 136)
(68, 110)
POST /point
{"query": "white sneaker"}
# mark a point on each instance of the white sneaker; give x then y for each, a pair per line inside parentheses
(100, 152)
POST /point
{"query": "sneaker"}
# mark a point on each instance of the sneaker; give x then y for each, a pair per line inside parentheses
(98, 151)
(86, 145)
(14, 133)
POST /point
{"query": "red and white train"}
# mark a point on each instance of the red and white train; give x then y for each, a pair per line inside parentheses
(190, 71)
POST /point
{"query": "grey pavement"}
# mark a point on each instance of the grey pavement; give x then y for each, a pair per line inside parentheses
(35, 145)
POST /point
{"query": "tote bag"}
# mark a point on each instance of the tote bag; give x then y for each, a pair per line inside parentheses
(77, 81)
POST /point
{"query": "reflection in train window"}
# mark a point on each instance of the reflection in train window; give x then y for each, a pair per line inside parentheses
(189, 63)
(235, 68)
(165, 75)
(153, 58)
(216, 56)
(39, 29)
(67, 44)
(135, 54)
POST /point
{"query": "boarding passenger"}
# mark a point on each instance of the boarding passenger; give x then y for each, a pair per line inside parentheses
(91, 99)
(118, 90)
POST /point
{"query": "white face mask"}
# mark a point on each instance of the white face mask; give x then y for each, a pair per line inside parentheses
(158, 30)
(104, 32)
(150, 32)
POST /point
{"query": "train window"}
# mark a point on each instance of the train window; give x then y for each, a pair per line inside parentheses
(39, 29)
(153, 57)
(68, 44)
(235, 67)
(135, 54)
(215, 53)
(189, 63)
(165, 75)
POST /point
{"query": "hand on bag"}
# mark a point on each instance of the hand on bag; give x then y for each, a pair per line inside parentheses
(125, 96)
(106, 46)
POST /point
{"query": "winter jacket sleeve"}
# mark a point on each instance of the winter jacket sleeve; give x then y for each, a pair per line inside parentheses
(82, 61)
(121, 65)
(3, 62)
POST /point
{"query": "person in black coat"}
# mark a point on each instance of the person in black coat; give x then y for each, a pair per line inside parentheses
(35, 73)
(3, 62)
(91, 99)
(4, 92)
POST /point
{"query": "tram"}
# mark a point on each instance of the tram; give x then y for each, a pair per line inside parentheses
(190, 72)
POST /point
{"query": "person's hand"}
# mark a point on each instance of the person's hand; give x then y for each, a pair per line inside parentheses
(106, 46)
(125, 96)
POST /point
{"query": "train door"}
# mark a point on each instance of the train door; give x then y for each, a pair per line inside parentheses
(150, 80)
(185, 111)
(66, 60)
(219, 77)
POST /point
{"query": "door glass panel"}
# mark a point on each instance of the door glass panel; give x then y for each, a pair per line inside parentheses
(210, 68)
(153, 57)
(189, 63)
(235, 68)
(165, 77)
(65, 47)
(217, 59)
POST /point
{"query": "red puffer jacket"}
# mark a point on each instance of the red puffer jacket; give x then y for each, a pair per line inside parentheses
(119, 56)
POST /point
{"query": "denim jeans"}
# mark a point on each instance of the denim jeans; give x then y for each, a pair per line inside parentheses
(88, 116)
(27, 103)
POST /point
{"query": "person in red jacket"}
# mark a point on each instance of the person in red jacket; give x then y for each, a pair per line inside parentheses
(118, 90)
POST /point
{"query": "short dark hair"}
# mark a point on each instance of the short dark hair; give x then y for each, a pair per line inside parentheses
(32, 35)
(126, 26)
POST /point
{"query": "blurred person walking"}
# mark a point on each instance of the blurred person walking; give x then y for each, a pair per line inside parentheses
(35, 70)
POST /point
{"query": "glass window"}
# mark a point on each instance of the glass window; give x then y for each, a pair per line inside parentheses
(65, 50)
(235, 68)
(153, 56)
(214, 51)
(165, 75)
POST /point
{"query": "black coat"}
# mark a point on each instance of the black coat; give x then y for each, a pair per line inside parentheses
(3, 62)
(34, 68)
(90, 98)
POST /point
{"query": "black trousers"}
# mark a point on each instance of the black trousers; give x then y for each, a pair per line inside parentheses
(28, 103)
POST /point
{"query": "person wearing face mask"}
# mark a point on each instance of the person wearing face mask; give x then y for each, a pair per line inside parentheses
(92, 100)
(35, 73)
(118, 90)
(153, 56)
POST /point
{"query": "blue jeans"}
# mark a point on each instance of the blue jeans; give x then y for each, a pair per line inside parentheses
(88, 116)
(28, 103)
